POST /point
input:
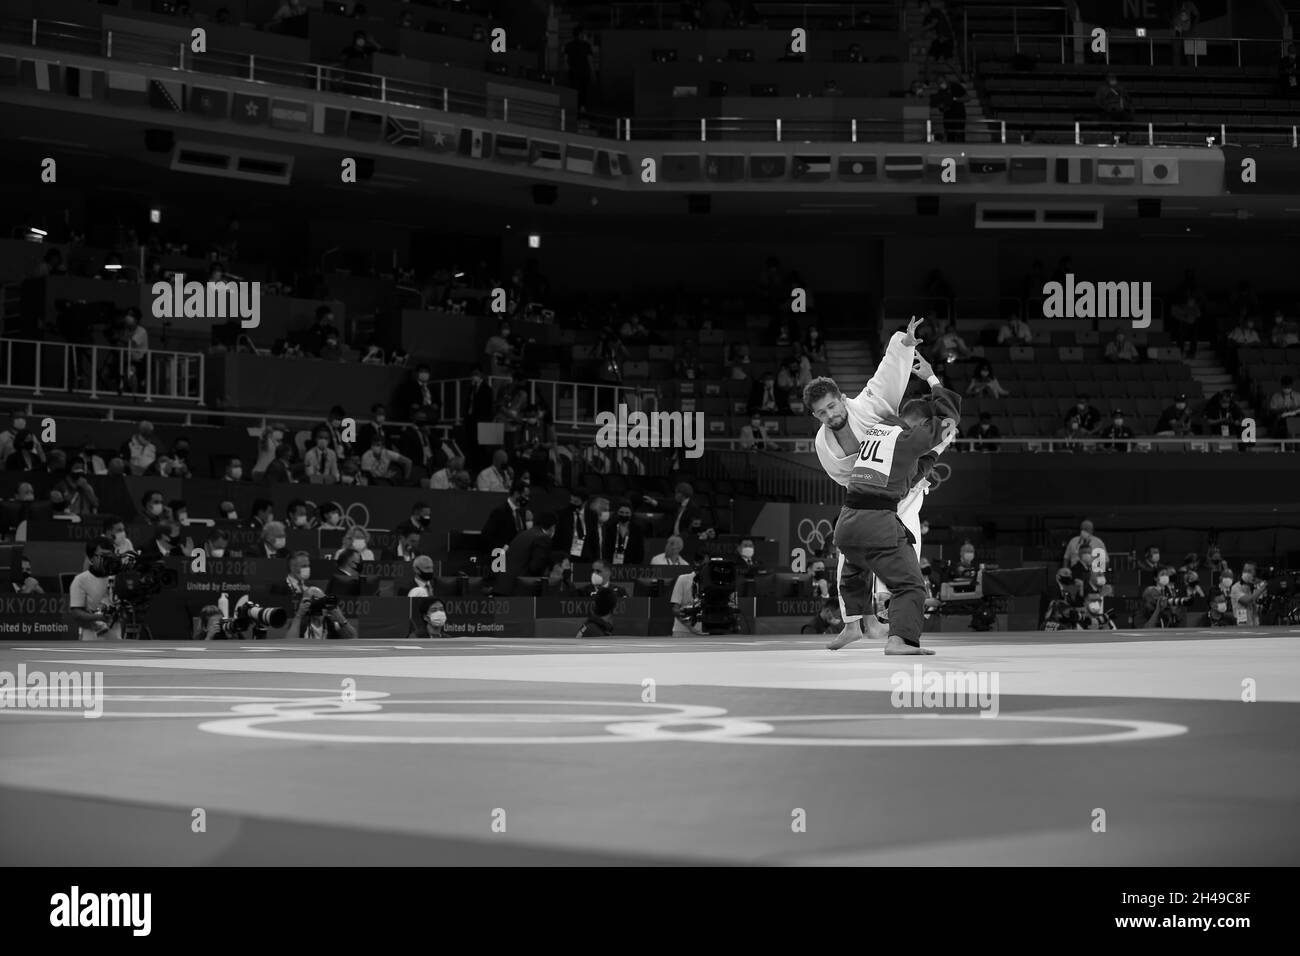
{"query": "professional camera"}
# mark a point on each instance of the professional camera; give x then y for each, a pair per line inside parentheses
(248, 615)
(1280, 602)
(137, 578)
(320, 605)
(715, 608)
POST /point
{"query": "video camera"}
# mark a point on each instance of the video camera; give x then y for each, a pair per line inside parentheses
(137, 578)
(715, 608)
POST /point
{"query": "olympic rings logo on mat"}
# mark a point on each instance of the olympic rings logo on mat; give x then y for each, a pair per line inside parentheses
(810, 531)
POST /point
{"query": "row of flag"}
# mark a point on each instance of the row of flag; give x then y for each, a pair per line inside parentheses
(414, 131)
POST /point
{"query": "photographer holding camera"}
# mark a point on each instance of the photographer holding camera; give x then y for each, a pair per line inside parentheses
(1161, 604)
(317, 617)
(90, 597)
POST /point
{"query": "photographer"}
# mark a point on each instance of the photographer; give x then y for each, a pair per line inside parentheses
(685, 602)
(90, 596)
(1161, 605)
(601, 621)
(1093, 616)
(1063, 610)
(1220, 612)
(1245, 596)
(318, 617)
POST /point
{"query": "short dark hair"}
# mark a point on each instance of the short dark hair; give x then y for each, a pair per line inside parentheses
(1287, 379)
(518, 485)
(262, 504)
(818, 389)
(97, 544)
(922, 406)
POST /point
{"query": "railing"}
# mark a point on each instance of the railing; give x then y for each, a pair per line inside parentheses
(1017, 13)
(665, 14)
(1135, 51)
(586, 400)
(95, 370)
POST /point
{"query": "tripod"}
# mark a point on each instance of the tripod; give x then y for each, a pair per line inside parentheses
(132, 628)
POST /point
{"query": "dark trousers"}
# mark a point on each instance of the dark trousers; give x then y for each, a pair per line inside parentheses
(877, 543)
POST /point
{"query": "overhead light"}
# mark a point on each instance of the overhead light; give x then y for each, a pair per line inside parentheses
(458, 275)
(155, 215)
(37, 232)
(1141, 32)
(534, 241)
(111, 267)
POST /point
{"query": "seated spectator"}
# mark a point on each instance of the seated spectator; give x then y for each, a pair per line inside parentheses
(280, 471)
(1121, 349)
(1221, 415)
(1118, 432)
(1089, 417)
(1283, 334)
(984, 382)
(330, 516)
(754, 435)
(814, 345)
(985, 429)
(1176, 420)
(951, 347)
(332, 348)
(444, 478)
(498, 476)
(767, 398)
(672, 552)
(738, 361)
(218, 545)
(1015, 331)
(1071, 434)
(382, 465)
(287, 10)
(273, 436)
(233, 470)
(634, 330)
(1244, 333)
(1284, 404)
(140, 452)
(1220, 612)
(748, 567)
(320, 462)
(356, 540)
(1113, 101)
(27, 455)
(502, 357)
(419, 391)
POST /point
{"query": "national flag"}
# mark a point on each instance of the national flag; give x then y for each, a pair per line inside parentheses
(679, 167)
(127, 88)
(402, 130)
(510, 148)
(986, 166)
(904, 167)
(475, 143)
(1113, 171)
(1073, 169)
(580, 159)
(612, 165)
(328, 121)
(367, 127)
(1157, 171)
(725, 168)
(812, 169)
(1028, 169)
(80, 82)
(211, 104)
(440, 137)
(47, 77)
(166, 95)
(767, 167)
(249, 109)
(290, 114)
(544, 155)
(857, 168)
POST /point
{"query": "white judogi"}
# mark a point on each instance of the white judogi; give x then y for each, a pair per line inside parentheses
(881, 397)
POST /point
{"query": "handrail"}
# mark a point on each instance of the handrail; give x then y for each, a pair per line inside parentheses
(167, 375)
(1065, 44)
(372, 87)
(604, 396)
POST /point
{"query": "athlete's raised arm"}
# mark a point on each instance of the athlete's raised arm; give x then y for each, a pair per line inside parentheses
(890, 381)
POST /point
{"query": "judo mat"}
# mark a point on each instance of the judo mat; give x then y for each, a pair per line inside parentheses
(1069, 749)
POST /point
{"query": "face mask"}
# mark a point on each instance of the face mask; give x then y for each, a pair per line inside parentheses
(20, 424)
(603, 517)
(358, 544)
(1162, 580)
(746, 552)
(424, 378)
(624, 519)
(322, 442)
(304, 573)
(1094, 608)
(967, 558)
(819, 575)
(438, 618)
(182, 516)
(277, 437)
(279, 543)
(218, 552)
(1101, 579)
(380, 419)
(97, 567)
(236, 473)
(1119, 423)
(528, 524)
(1226, 584)
(155, 509)
(332, 520)
(300, 521)
(1248, 576)
(119, 535)
(596, 579)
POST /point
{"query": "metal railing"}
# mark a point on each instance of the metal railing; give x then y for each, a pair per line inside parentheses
(1132, 50)
(1065, 24)
(665, 14)
(584, 400)
(100, 370)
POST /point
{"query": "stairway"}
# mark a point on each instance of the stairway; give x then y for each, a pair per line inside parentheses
(852, 363)
(1209, 373)
(977, 129)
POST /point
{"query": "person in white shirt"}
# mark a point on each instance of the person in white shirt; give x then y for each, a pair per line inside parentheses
(140, 450)
(672, 553)
(496, 477)
(1085, 538)
(356, 539)
(116, 532)
(379, 461)
(422, 568)
(91, 594)
(321, 461)
(683, 596)
(441, 480)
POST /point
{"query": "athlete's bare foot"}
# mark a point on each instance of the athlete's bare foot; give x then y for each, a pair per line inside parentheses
(877, 630)
(896, 645)
(852, 632)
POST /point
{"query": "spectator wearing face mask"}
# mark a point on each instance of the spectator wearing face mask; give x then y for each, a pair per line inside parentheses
(299, 515)
(383, 466)
(294, 585)
(1192, 590)
(1161, 604)
(984, 383)
(91, 594)
(1083, 569)
(497, 476)
(422, 570)
(166, 540)
(262, 514)
(234, 470)
(1089, 417)
(331, 515)
(408, 547)
(1222, 416)
(1092, 616)
(748, 566)
(559, 577)
(506, 520)
(602, 578)
(572, 526)
(357, 540)
(1070, 436)
(687, 514)
(346, 578)
(435, 622)
(419, 521)
(321, 462)
(767, 398)
(1220, 613)
(671, 554)
(22, 581)
(1063, 609)
(267, 447)
(218, 546)
(1245, 596)
(350, 473)
(1076, 544)
(502, 356)
(27, 455)
(115, 531)
(987, 430)
(1284, 405)
(601, 621)
(1119, 433)
(1176, 420)
(1149, 565)
(378, 425)
(77, 492)
(624, 543)
(176, 463)
(444, 479)
(274, 541)
(153, 507)
(529, 551)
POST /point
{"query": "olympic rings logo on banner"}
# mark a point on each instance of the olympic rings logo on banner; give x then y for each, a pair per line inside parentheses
(941, 472)
(810, 531)
(352, 522)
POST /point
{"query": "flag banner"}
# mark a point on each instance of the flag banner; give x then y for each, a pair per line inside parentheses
(679, 168)
(510, 149)
(904, 167)
(45, 76)
(857, 168)
(368, 127)
(1116, 171)
(212, 104)
(544, 155)
(612, 165)
(166, 95)
(80, 82)
(440, 137)
(1029, 169)
(987, 166)
(1073, 169)
(767, 167)
(328, 121)
(812, 169)
(290, 114)
(475, 143)
(1157, 171)
(725, 168)
(580, 159)
(253, 110)
(402, 130)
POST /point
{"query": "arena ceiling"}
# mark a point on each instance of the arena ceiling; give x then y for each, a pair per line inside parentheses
(109, 152)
